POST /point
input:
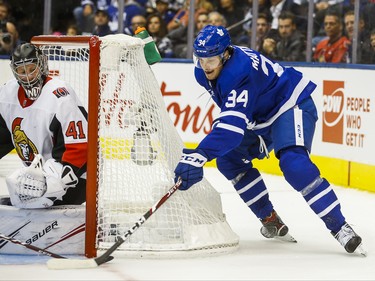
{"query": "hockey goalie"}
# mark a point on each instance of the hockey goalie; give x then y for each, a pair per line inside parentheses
(42, 119)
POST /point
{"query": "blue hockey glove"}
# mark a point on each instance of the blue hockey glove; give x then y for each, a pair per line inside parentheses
(190, 167)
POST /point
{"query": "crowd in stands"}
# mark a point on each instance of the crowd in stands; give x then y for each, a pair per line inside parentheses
(281, 25)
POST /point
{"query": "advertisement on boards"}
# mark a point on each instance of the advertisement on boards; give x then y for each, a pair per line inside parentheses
(344, 98)
(345, 103)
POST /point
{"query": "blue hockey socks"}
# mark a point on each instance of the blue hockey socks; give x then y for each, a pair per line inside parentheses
(304, 176)
(252, 189)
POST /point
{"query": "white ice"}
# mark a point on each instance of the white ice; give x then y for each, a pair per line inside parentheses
(316, 256)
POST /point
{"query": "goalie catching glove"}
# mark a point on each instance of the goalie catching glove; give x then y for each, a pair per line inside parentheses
(39, 185)
(190, 167)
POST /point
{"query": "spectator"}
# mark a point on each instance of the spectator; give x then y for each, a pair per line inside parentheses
(176, 4)
(277, 6)
(204, 6)
(9, 39)
(334, 48)
(73, 30)
(200, 21)
(233, 14)
(136, 21)
(182, 16)
(84, 16)
(368, 12)
(101, 20)
(348, 5)
(217, 19)
(179, 35)
(4, 11)
(103, 4)
(291, 46)
(162, 8)
(372, 48)
(134, 9)
(131, 8)
(29, 21)
(263, 8)
(263, 26)
(362, 51)
(157, 28)
(321, 7)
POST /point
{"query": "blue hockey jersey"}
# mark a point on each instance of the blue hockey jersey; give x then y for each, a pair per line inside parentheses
(252, 92)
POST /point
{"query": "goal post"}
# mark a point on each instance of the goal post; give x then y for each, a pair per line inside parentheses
(133, 148)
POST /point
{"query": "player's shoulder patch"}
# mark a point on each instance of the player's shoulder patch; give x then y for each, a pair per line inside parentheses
(57, 87)
(60, 92)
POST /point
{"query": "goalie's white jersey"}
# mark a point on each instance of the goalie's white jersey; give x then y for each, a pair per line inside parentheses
(54, 125)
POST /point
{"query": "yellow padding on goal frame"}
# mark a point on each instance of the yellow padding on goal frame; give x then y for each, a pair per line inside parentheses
(119, 149)
(114, 148)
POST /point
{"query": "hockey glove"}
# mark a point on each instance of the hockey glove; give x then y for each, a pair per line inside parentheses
(190, 167)
(27, 185)
(38, 185)
(58, 178)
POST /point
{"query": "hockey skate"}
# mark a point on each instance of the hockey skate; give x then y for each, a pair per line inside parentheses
(273, 227)
(350, 240)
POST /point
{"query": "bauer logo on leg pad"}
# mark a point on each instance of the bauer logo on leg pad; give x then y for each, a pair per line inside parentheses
(59, 229)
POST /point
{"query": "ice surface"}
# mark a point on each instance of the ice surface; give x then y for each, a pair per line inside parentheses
(316, 256)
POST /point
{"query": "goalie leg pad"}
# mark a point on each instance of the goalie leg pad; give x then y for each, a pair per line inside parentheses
(60, 230)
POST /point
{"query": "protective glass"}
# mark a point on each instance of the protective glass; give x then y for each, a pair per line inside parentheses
(208, 63)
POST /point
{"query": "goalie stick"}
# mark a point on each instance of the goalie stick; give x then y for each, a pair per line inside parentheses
(106, 256)
(31, 247)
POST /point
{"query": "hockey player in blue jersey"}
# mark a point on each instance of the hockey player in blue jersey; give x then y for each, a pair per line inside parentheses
(263, 106)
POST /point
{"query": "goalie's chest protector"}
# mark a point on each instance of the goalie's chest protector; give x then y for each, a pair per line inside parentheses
(34, 124)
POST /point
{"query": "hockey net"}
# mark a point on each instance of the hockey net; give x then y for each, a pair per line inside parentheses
(133, 150)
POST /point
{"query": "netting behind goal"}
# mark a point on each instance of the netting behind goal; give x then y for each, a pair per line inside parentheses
(133, 150)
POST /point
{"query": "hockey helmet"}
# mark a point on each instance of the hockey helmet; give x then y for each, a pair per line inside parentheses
(211, 41)
(30, 67)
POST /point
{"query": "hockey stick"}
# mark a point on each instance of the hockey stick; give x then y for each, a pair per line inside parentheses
(31, 247)
(91, 263)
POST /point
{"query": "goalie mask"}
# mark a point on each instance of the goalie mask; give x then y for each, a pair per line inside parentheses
(30, 67)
